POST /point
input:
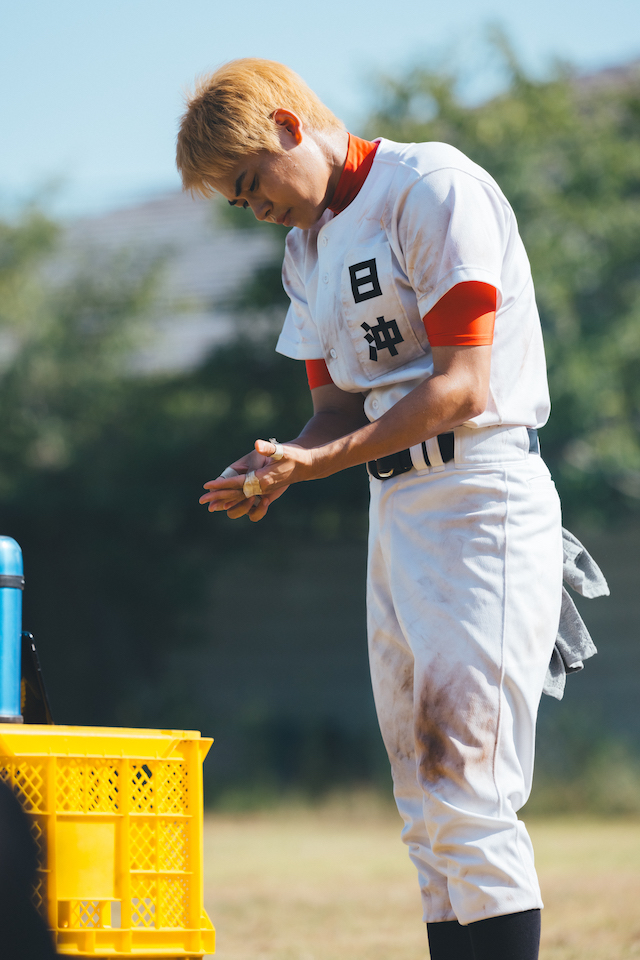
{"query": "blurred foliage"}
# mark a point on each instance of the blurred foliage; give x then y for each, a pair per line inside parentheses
(566, 152)
(22, 246)
(101, 470)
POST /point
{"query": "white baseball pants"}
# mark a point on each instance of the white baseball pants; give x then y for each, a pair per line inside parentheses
(464, 590)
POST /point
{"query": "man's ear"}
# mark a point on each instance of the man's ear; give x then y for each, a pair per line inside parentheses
(290, 122)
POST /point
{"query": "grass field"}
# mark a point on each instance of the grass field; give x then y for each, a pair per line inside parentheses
(335, 883)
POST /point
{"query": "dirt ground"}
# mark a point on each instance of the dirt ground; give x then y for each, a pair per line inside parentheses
(336, 884)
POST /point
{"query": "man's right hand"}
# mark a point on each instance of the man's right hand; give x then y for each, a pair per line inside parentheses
(237, 505)
(335, 414)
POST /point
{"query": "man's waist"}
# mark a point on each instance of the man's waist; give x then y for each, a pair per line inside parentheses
(464, 446)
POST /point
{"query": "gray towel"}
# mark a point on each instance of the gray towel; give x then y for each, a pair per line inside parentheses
(573, 643)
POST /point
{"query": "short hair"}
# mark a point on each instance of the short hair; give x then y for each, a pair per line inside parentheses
(229, 116)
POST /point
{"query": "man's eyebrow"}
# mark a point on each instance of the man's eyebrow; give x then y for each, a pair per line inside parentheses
(239, 182)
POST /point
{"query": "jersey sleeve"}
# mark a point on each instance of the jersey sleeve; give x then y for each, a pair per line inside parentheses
(299, 337)
(465, 316)
(452, 228)
(318, 374)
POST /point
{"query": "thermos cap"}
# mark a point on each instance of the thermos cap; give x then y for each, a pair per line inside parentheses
(10, 557)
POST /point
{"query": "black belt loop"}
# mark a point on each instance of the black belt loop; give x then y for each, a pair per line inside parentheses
(446, 443)
(534, 440)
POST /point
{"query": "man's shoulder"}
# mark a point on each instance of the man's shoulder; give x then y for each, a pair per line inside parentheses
(413, 162)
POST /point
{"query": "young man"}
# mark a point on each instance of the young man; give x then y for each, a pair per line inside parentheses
(413, 305)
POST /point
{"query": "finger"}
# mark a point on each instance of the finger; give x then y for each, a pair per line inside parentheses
(258, 512)
(220, 496)
(222, 483)
(222, 505)
(259, 509)
(241, 509)
(221, 493)
(265, 447)
(217, 496)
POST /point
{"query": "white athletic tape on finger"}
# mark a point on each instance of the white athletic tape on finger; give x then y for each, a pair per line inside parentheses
(229, 472)
(279, 451)
(251, 486)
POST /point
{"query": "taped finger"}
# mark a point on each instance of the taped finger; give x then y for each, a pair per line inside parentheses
(251, 486)
(278, 454)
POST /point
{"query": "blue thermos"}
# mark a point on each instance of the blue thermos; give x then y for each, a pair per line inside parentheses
(11, 587)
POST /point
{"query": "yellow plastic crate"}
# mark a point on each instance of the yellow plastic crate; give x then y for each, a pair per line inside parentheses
(117, 817)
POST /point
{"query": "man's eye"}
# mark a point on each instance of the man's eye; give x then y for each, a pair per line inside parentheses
(234, 203)
(254, 185)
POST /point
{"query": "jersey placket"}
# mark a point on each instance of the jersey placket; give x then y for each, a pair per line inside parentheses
(328, 313)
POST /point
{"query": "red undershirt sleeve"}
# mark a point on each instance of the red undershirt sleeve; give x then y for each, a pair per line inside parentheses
(465, 316)
(317, 374)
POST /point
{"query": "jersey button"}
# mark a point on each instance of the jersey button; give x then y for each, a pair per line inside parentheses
(325, 279)
(375, 404)
(333, 354)
(325, 241)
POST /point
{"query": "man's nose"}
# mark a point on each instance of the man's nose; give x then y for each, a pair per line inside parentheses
(261, 209)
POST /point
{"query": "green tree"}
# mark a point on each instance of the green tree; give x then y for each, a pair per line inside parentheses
(101, 469)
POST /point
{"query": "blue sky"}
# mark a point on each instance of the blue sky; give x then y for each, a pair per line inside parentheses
(90, 90)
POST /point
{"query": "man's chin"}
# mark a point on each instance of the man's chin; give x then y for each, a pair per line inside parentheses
(305, 222)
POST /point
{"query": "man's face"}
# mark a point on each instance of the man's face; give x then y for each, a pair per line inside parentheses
(290, 188)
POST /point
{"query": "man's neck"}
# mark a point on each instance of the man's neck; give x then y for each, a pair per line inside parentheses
(335, 144)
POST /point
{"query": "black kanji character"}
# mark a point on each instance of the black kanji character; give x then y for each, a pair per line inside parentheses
(364, 280)
(383, 337)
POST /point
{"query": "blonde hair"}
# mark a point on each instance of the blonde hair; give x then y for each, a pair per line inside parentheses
(229, 116)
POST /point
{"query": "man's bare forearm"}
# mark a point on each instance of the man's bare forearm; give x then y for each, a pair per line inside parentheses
(328, 425)
(340, 436)
(433, 407)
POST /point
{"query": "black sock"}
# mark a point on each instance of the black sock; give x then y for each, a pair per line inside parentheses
(449, 941)
(515, 936)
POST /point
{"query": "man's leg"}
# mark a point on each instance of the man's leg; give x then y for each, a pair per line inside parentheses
(473, 559)
(515, 936)
(392, 665)
(449, 941)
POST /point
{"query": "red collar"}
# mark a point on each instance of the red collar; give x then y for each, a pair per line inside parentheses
(360, 154)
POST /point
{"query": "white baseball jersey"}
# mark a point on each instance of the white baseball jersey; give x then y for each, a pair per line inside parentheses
(360, 282)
